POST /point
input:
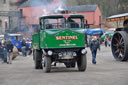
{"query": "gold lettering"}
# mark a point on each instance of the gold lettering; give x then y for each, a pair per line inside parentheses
(66, 38)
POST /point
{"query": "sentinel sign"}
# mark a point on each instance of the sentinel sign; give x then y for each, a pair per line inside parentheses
(66, 37)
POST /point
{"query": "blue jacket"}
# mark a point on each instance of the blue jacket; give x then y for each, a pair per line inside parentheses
(94, 45)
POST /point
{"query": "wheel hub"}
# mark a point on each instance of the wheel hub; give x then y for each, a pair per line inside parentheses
(119, 46)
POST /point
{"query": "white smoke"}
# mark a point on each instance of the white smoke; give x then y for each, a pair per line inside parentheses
(40, 8)
(44, 7)
(60, 8)
(45, 12)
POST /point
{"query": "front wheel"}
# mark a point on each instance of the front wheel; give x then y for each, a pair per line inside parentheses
(82, 62)
(46, 63)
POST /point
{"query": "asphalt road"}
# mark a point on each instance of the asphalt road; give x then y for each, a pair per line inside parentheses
(107, 71)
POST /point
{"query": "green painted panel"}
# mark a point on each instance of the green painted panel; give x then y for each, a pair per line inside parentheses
(35, 41)
(64, 38)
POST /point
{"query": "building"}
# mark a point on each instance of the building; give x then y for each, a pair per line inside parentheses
(91, 12)
(33, 10)
(7, 11)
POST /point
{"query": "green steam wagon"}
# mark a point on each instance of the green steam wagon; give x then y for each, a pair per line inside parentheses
(60, 39)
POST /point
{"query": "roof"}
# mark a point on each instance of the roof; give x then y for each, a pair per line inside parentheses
(82, 8)
(15, 34)
(94, 31)
(1, 36)
(118, 17)
(32, 3)
(63, 15)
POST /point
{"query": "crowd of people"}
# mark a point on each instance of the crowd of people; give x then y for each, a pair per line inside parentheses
(107, 40)
(7, 50)
(26, 47)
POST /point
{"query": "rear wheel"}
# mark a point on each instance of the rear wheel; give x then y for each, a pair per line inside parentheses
(82, 63)
(46, 63)
(119, 46)
(37, 56)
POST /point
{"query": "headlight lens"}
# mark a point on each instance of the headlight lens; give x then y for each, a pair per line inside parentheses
(83, 51)
(50, 52)
(74, 54)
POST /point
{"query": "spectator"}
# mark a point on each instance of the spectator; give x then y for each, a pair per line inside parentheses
(29, 47)
(9, 50)
(94, 45)
(23, 47)
(106, 42)
(1, 52)
(26, 49)
(3, 44)
(109, 40)
(72, 23)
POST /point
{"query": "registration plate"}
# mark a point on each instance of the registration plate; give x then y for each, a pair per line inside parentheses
(67, 54)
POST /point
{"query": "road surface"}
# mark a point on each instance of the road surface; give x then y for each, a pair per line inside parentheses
(107, 71)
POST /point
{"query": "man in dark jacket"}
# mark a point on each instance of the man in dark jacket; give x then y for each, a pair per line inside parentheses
(26, 49)
(94, 45)
(3, 44)
(23, 47)
(1, 52)
(9, 46)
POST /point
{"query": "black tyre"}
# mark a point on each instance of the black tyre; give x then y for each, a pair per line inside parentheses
(37, 57)
(119, 45)
(46, 64)
(82, 63)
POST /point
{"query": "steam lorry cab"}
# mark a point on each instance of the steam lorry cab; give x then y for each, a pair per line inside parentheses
(60, 39)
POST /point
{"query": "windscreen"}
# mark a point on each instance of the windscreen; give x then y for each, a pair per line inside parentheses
(74, 23)
(18, 38)
(56, 23)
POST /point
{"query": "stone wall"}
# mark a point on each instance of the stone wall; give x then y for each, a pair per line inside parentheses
(5, 7)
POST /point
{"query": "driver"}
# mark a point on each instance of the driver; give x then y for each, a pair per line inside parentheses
(125, 24)
(73, 24)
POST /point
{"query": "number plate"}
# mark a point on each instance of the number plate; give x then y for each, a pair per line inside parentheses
(67, 53)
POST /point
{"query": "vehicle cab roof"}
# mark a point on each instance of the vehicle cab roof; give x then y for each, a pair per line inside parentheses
(15, 34)
(62, 16)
